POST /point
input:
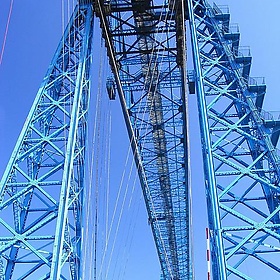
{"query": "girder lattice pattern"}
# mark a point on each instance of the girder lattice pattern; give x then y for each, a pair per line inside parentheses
(147, 62)
(42, 189)
(240, 159)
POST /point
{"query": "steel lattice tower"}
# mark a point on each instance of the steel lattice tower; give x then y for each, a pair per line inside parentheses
(43, 185)
(241, 163)
(42, 189)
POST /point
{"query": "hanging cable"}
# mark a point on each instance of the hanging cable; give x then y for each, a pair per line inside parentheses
(6, 31)
(97, 168)
(122, 208)
(89, 193)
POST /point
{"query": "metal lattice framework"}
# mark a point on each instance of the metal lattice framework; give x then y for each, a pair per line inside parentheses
(241, 162)
(41, 192)
(145, 42)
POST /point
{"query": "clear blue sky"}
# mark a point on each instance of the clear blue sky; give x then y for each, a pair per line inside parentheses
(34, 32)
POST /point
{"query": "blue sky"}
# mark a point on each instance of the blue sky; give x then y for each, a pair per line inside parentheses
(34, 32)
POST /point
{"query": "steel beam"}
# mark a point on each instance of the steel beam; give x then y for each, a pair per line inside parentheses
(41, 192)
(241, 164)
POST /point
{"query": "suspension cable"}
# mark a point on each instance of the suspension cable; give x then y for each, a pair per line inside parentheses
(6, 31)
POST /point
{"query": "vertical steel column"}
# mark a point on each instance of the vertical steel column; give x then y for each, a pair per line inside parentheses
(219, 267)
(241, 162)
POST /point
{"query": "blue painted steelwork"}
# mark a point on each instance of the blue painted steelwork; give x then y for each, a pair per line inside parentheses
(241, 162)
(41, 192)
(146, 48)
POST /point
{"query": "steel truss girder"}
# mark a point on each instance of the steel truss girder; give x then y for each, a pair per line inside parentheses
(41, 192)
(240, 162)
(143, 49)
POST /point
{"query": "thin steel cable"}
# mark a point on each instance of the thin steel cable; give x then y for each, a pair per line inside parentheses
(99, 160)
(6, 31)
(89, 195)
(119, 219)
(132, 225)
(113, 219)
(109, 229)
(122, 207)
(97, 172)
(107, 155)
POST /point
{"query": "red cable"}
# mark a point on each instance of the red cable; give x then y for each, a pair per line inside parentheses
(6, 31)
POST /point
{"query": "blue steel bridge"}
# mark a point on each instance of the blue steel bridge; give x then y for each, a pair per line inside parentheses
(44, 191)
